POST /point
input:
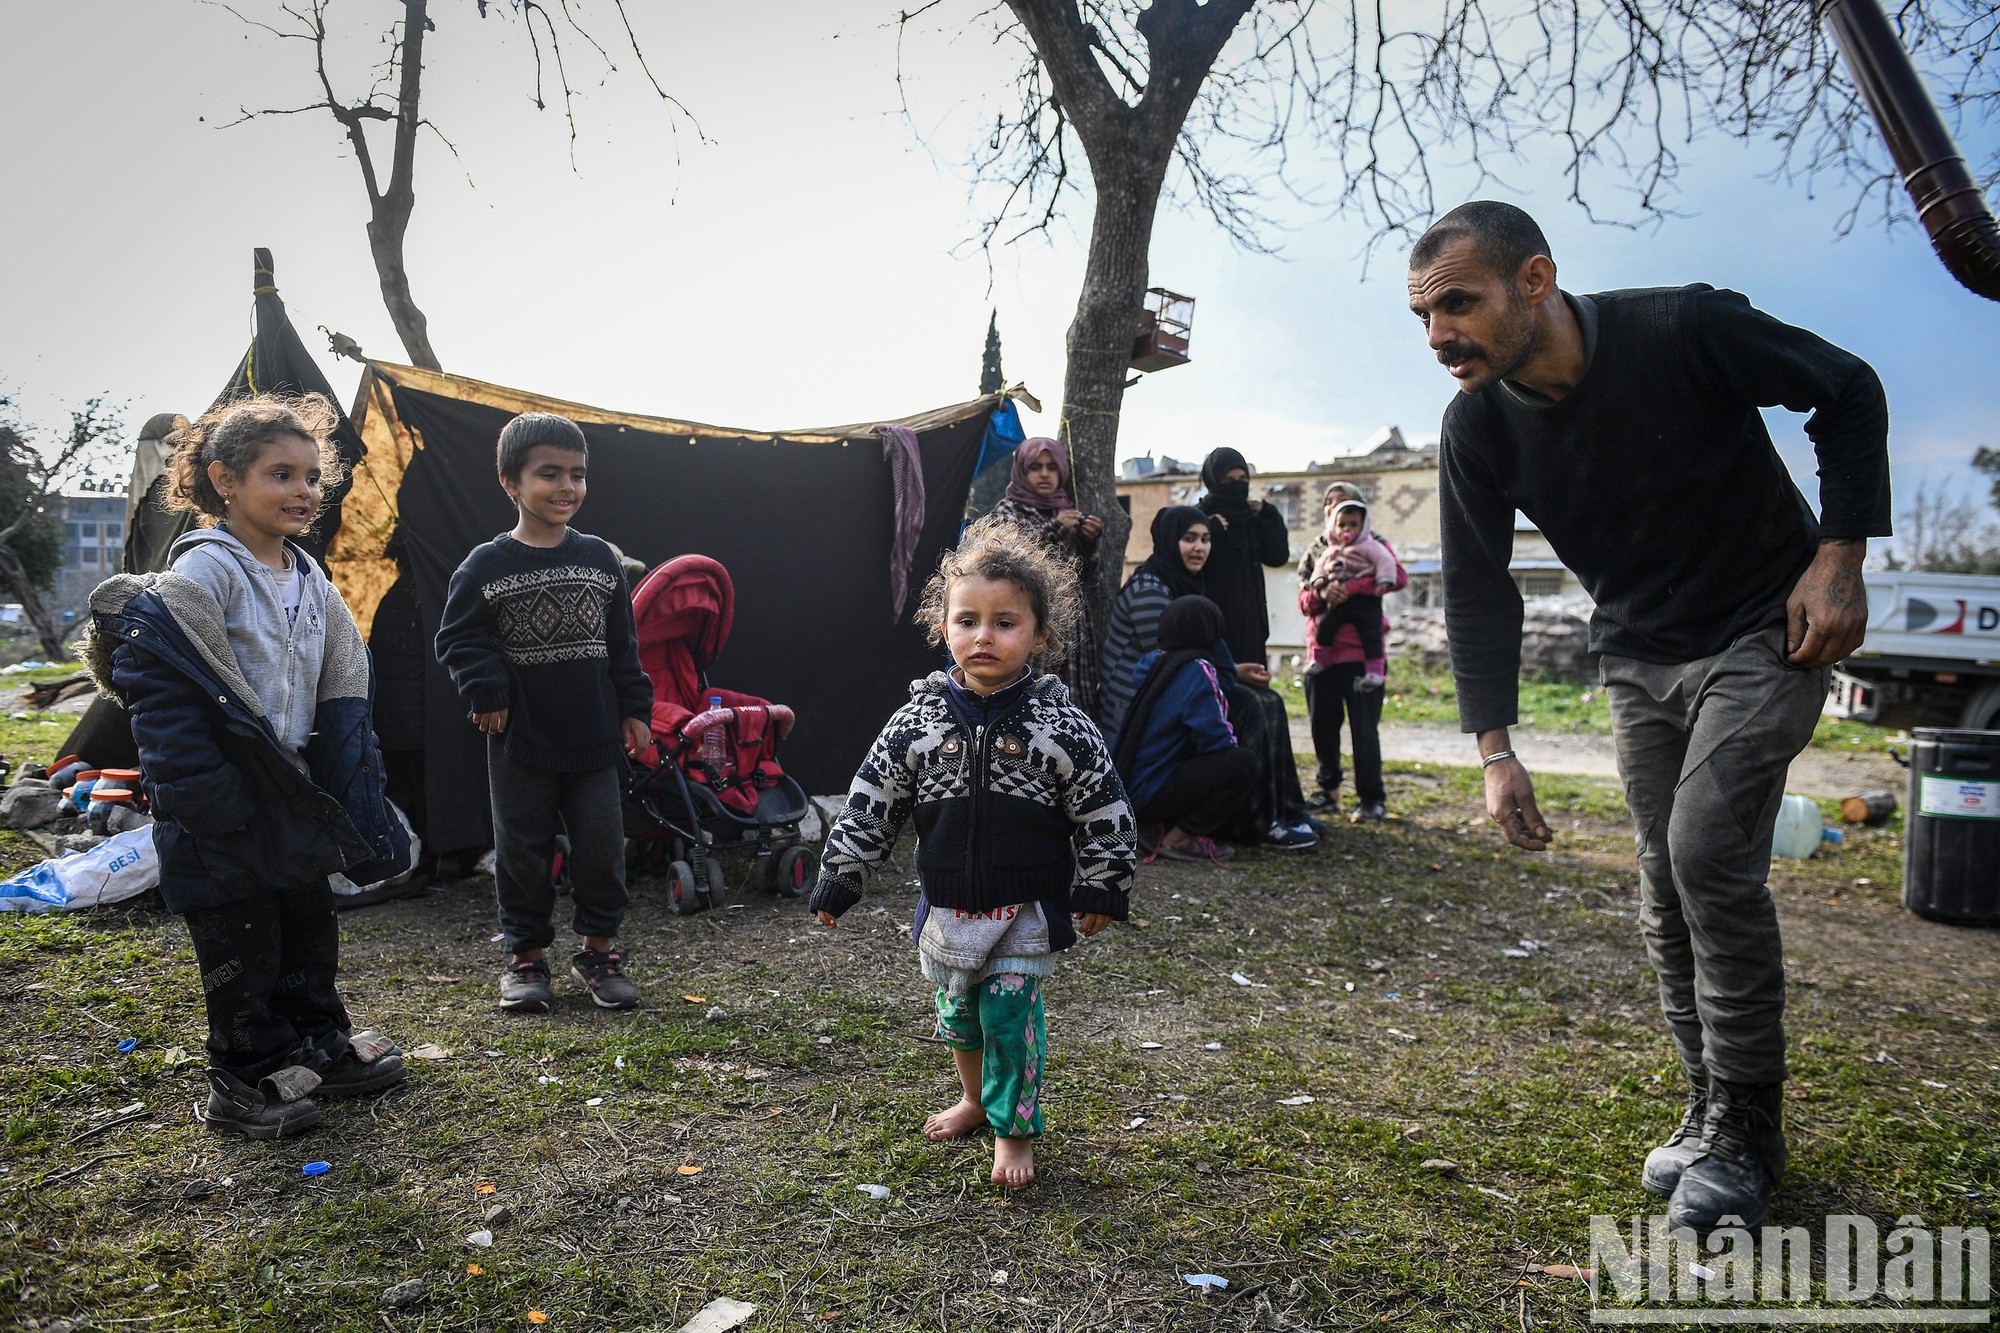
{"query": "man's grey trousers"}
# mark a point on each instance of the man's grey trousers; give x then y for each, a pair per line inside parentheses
(1703, 748)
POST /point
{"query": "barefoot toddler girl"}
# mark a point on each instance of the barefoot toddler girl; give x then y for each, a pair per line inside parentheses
(1022, 827)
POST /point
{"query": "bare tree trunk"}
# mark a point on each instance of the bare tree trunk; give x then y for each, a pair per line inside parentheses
(389, 211)
(1100, 356)
(33, 605)
(1129, 145)
(385, 243)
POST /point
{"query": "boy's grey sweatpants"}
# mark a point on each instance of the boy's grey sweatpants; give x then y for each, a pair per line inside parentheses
(527, 804)
(1703, 748)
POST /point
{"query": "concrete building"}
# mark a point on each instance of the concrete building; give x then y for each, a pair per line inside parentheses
(93, 547)
(1400, 482)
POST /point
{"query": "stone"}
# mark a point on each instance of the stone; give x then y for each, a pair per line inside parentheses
(404, 1293)
(499, 1214)
(124, 819)
(30, 804)
(1555, 638)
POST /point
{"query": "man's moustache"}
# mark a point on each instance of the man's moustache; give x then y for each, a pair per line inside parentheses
(1457, 352)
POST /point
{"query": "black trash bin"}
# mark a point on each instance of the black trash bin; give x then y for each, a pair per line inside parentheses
(1951, 846)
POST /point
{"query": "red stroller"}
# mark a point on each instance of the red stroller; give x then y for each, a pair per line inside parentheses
(717, 784)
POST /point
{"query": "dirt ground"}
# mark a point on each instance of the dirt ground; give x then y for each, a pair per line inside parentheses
(1254, 1078)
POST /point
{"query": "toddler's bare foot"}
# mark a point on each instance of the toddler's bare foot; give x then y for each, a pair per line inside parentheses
(1013, 1161)
(955, 1121)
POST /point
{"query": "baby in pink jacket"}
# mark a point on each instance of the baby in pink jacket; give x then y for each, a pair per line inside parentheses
(1353, 552)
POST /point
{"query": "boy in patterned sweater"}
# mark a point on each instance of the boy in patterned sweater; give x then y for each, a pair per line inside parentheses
(538, 636)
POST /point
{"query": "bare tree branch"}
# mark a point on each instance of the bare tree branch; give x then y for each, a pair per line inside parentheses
(394, 97)
(1351, 108)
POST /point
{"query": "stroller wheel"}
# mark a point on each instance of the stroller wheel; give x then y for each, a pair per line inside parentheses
(795, 872)
(682, 900)
(714, 894)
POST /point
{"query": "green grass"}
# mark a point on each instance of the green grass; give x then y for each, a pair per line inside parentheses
(1544, 1077)
(1427, 695)
(1839, 734)
(31, 735)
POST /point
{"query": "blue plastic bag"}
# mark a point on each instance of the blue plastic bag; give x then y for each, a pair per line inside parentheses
(118, 868)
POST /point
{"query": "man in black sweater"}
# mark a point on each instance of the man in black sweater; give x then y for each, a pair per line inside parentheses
(1625, 425)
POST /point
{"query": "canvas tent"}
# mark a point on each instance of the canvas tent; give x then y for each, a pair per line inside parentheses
(802, 519)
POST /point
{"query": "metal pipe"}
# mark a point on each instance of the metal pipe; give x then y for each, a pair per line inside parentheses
(1947, 198)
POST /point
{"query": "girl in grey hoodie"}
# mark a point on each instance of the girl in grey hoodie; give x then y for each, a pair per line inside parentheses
(248, 688)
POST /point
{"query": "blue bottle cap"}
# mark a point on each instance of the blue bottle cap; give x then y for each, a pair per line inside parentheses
(127, 1046)
(317, 1168)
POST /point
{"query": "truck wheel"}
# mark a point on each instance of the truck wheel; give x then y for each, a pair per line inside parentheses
(1982, 711)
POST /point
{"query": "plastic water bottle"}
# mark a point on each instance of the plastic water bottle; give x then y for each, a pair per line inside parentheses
(1800, 830)
(714, 745)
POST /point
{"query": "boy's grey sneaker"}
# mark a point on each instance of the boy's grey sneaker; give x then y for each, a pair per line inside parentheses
(524, 987)
(276, 1107)
(1368, 812)
(602, 971)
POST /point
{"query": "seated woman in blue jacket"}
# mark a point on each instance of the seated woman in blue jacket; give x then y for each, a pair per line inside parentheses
(1175, 749)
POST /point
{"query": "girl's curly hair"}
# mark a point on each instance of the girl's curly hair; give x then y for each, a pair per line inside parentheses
(235, 433)
(994, 548)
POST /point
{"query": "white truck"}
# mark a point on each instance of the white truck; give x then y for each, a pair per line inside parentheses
(1932, 655)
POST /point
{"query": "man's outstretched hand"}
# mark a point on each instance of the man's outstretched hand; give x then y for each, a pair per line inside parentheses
(1827, 614)
(1510, 800)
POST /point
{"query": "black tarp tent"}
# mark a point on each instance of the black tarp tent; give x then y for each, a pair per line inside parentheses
(802, 519)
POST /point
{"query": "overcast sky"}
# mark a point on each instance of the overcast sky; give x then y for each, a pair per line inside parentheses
(807, 266)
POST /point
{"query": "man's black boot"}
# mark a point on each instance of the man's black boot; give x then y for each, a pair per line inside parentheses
(1665, 1163)
(1741, 1160)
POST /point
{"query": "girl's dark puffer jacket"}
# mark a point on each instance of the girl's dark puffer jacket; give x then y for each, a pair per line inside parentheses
(233, 817)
